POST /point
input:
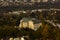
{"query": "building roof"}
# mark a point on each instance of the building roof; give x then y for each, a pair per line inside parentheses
(35, 21)
(25, 19)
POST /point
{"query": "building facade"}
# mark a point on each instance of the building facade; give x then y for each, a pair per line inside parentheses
(26, 23)
(31, 23)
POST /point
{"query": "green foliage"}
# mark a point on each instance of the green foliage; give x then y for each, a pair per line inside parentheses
(46, 31)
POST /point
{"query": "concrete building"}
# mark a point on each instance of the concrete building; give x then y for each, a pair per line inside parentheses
(26, 22)
(31, 23)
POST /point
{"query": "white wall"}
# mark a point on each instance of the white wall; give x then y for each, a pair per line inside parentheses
(28, 24)
(31, 25)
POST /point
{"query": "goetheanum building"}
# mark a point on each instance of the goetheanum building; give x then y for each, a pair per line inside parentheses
(31, 23)
(26, 22)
